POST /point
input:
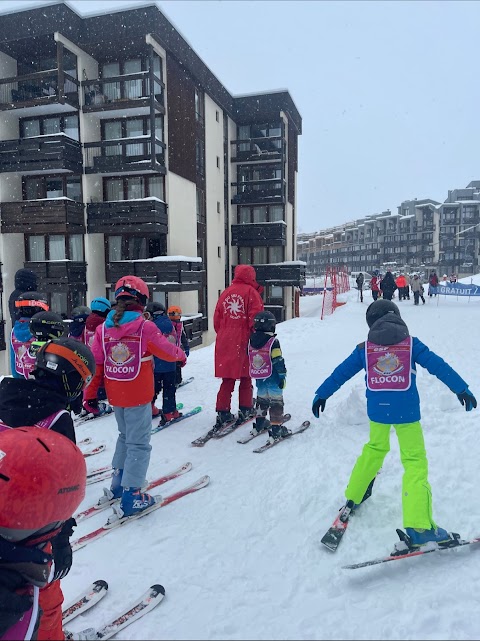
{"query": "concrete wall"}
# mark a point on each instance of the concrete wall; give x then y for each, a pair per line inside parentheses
(12, 257)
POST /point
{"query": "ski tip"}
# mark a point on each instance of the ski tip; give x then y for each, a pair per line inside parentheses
(101, 584)
(158, 589)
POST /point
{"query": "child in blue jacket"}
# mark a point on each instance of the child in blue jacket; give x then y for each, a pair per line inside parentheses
(389, 358)
(164, 372)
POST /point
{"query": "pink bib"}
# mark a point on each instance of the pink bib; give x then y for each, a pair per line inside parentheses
(389, 367)
(123, 356)
(260, 360)
(89, 336)
(24, 360)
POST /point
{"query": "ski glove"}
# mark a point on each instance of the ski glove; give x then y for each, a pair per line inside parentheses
(282, 383)
(62, 550)
(468, 399)
(318, 404)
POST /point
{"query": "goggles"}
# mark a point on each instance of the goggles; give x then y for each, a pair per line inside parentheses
(32, 303)
(125, 289)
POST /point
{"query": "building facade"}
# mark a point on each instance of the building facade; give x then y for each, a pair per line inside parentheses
(421, 236)
(121, 152)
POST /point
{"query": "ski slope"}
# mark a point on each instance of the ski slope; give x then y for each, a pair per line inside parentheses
(241, 559)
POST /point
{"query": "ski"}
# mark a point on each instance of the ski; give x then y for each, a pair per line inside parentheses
(231, 427)
(305, 425)
(250, 437)
(160, 427)
(185, 382)
(98, 471)
(221, 431)
(396, 557)
(85, 441)
(92, 595)
(95, 450)
(99, 507)
(83, 418)
(152, 597)
(332, 537)
(105, 476)
(160, 502)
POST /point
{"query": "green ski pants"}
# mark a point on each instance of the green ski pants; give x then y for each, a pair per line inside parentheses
(416, 491)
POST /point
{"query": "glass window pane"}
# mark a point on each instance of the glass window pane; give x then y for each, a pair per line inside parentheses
(134, 128)
(244, 132)
(133, 88)
(34, 188)
(156, 187)
(110, 69)
(58, 302)
(114, 248)
(74, 189)
(114, 188)
(276, 254)
(275, 130)
(70, 63)
(259, 255)
(157, 66)
(55, 188)
(113, 130)
(138, 248)
(276, 291)
(135, 187)
(76, 247)
(71, 127)
(276, 213)
(259, 214)
(159, 297)
(36, 248)
(244, 256)
(159, 127)
(56, 247)
(51, 126)
(132, 66)
(31, 128)
(244, 215)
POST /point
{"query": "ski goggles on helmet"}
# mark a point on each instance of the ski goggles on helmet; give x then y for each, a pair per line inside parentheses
(32, 303)
(129, 291)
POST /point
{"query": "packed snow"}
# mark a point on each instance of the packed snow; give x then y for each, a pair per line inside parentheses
(242, 559)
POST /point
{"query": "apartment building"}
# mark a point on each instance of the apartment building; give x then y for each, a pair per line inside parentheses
(121, 152)
(421, 236)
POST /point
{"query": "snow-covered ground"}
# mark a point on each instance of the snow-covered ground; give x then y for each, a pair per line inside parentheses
(242, 559)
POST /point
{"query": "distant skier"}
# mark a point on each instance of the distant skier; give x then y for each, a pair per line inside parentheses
(25, 281)
(417, 289)
(267, 368)
(100, 307)
(360, 280)
(388, 286)
(375, 286)
(175, 315)
(432, 284)
(389, 357)
(76, 328)
(401, 283)
(27, 305)
(124, 347)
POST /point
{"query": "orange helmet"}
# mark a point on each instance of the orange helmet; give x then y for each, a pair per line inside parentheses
(174, 312)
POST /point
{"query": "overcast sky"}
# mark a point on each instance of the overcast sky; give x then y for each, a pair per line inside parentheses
(388, 91)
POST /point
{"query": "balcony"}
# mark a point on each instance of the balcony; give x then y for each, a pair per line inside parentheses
(131, 91)
(125, 155)
(59, 275)
(40, 93)
(145, 215)
(161, 273)
(259, 234)
(282, 274)
(194, 328)
(49, 216)
(44, 154)
(254, 149)
(271, 190)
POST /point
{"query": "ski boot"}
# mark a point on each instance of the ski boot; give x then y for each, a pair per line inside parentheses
(261, 424)
(155, 411)
(277, 432)
(415, 539)
(116, 489)
(223, 418)
(135, 501)
(89, 634)
(244, 413)
(170, 416)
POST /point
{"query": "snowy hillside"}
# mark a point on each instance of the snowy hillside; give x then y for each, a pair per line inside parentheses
(241, 559)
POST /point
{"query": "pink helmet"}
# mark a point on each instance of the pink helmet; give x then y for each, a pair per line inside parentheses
(132, 287)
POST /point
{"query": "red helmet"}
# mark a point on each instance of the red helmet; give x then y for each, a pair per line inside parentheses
(132, 287)
(42, 481)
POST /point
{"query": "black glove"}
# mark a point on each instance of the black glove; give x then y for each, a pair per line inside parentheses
(318, 403)
(468, 399)
(62, 550)
(282, 382)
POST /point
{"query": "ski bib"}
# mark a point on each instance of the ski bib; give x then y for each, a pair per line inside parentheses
(46, 423)
(89, 336)
(24, 357)
(123, 356)
(389, 367)
(260, 360)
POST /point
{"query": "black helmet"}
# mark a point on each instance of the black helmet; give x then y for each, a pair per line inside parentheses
(154, 309)
(69, 360)
(80, 313)
(46, 325)
(379, 308)
(30, 303)
(264, 322)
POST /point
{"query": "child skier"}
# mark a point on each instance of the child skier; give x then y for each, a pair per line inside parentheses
(175, 315)
(389, 357)
(164, 372)
(76, 328)
(62, 368)
(123, 347)
(268, 369)
(27, 305)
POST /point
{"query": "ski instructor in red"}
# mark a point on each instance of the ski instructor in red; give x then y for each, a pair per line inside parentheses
(233, 323)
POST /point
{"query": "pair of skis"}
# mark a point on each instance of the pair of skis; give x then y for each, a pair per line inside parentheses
(95, 593)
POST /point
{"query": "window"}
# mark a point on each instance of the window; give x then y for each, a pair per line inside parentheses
(260, 214)
(114, 248)
(218, 162)
(217, 116)
(200, 157)
(259, 255)
(130, 187)
(218, 207)
(244, 255)
(128, 247)
(69, 63)
(199, 107)
(133, 88)
(59, 301)
(276, 254)
(219, 251)
(52, 187)
(55, 247)
(51, 125)
(200, 206)
(157, 66)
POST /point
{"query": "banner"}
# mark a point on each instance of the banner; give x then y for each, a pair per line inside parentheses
(456, 289)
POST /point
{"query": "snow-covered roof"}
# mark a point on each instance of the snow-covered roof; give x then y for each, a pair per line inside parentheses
(162, 259)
